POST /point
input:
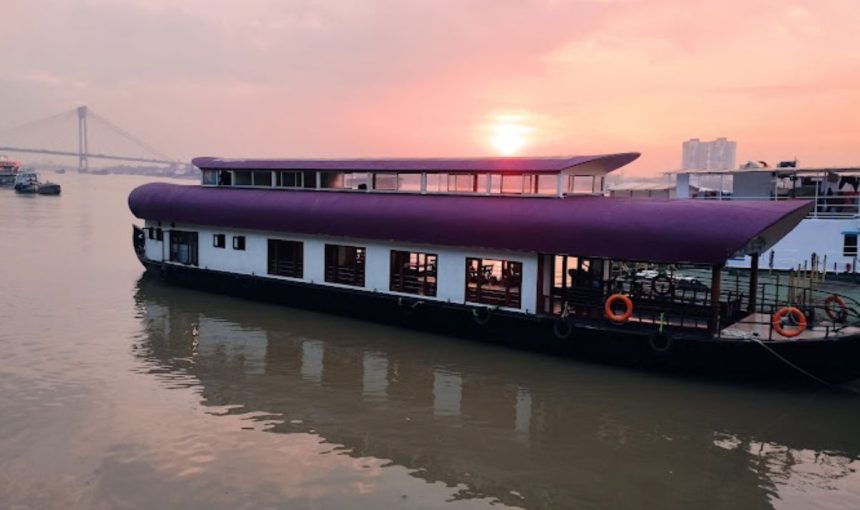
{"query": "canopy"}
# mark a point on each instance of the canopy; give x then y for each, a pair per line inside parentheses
(599, 164)
(693, 231)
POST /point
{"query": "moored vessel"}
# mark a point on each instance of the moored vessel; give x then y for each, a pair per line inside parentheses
(516, 251)
(27, 182)
(8, 171)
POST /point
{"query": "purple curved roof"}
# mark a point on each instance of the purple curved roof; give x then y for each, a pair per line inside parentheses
(694, 231)
(591, 164)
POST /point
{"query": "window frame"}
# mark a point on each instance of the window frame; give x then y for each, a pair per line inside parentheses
(509, 270)
(189, 238)
(219, 240)
(338, 273)
(275, 267)
(849, 249)
(239, 243)
(424, 265)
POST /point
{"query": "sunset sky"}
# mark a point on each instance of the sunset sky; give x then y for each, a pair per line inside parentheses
(340, 78)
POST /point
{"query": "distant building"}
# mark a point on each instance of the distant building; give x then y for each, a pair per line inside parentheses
(715, 155)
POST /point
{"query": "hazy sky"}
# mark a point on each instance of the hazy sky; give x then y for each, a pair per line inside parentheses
(341, 78)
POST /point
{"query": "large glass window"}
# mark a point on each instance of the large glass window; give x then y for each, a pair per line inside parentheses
(210, 177)
(286, 258)
(183, 247)
(581, 184)
(437, 183)
(242, 178)
(355, 180)
(263, 179)
(494, 282)
(344, 264)
(385, 181)
(289, 179)
(225, 178)
(547, 184)
(413, 273)
(462, 183)
(410, 183)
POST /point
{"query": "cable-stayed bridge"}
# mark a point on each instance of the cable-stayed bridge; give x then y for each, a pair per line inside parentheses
(32, 138)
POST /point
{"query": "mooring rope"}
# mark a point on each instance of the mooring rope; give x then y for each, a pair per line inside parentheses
(792, 365)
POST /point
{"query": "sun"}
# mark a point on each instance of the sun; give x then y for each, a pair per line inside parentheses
(508, 135)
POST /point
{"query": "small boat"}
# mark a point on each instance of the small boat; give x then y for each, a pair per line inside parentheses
(27, 182)
(8, 171)
(49, 188)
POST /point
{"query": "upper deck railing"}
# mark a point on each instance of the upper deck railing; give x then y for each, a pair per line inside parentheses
(839, 205)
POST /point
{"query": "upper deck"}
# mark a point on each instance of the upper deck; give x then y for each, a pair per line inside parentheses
(546, 176)
(834, 190)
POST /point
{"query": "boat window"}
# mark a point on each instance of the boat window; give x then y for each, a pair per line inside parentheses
(242, 178)
(355, 180)
(518, 184)
(547, 184)
(286, 258)
(385, 181)
(309, 180)
(225, 178)
(331, 180)
(494, 282)
(289, 179)
(410, 183)
(219, 240)
(263, 179)
(437, 183)
(210, 177)
(238, 242)
(462, 183)
(344, 264)
(183, 247)
(413, 273)
(849, 246)
(496, 184)
(581, 184)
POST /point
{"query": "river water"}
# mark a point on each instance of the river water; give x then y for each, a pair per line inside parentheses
(117, 391)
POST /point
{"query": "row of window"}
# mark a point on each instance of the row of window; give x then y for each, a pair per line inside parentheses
(460, 182)
(488, 281)
(220, 241)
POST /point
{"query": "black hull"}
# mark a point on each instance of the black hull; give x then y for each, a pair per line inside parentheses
(833, 360)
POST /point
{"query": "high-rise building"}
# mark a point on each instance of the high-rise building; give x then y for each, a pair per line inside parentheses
(718, 154)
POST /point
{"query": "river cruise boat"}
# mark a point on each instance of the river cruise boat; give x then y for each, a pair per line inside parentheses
(8, 171)
(523, 252)
(824, 241)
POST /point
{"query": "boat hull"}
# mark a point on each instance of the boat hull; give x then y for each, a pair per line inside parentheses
(833, 360)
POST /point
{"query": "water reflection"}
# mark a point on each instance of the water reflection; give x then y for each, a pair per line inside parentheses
(526, 430)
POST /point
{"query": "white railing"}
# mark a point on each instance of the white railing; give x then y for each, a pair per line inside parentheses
(837, 205)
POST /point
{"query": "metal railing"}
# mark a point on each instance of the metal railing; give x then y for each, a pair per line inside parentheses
(838, 205)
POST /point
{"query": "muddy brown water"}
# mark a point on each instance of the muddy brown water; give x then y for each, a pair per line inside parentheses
(117, 391)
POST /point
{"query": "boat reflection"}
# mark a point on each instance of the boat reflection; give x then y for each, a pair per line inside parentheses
(528, 430)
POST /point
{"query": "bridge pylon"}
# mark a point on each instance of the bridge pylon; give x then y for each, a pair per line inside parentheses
(83, 150)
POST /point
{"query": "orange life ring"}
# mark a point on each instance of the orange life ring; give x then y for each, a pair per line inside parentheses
(612, 316)
(836, 316)
(798, 316)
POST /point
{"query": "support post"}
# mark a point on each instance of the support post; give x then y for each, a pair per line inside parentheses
(714, 326)
(753, 282)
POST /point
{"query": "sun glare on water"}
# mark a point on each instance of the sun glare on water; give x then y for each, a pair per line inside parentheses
(508, 135)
